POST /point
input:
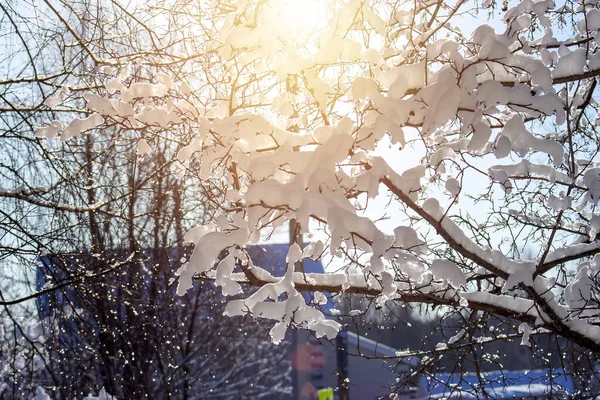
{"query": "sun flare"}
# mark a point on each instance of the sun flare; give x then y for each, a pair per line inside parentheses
(299, 19)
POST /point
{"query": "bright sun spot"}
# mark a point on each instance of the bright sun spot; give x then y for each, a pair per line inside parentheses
(299, 19)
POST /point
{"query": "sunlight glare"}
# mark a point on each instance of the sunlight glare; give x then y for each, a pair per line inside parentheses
(298, 20)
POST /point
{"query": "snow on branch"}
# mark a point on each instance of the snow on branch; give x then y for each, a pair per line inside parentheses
(287, 130)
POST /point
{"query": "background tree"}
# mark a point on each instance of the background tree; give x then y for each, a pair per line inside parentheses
(95, 228)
